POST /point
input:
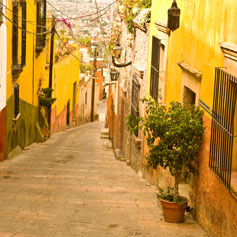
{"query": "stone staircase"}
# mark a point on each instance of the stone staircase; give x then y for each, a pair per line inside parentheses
(104, 134)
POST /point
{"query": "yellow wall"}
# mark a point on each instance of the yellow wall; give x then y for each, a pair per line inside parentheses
(203, 26)
(66, 72)
(34, 70)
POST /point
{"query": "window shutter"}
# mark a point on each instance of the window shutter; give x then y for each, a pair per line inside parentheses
(155, 64)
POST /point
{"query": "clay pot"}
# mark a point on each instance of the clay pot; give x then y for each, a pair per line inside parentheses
(172, 211)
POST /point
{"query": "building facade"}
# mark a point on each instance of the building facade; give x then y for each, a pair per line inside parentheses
(197, 64)
(3, 74)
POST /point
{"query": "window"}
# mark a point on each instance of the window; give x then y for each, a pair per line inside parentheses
(18, 40)
(86, 99)
(135, 100)
(189, 97)
(155, 64)
(23, 34)
(16, 100)
(41, 25)
(15, 34)
(223, 146)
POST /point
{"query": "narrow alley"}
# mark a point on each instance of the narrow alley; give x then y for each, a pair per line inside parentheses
(72, 185)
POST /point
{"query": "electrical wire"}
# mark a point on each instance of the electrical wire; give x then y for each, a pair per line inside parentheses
(48, 31)
(12, 13)
(79, 17)
(67, 48)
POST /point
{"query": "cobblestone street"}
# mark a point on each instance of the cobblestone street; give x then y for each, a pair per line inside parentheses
(72, 185)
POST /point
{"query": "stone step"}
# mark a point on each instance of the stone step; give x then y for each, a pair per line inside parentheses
(104, 136)
(104, 131)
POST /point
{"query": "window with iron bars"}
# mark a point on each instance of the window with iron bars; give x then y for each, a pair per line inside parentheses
(41, 26)
(155, 64)
(135, 101)
(18, 44)
(223, 145)
(16, 100)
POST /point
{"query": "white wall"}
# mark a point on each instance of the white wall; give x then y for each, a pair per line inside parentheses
(3, 59)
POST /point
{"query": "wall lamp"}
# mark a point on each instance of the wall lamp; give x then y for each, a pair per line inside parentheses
(114, 74)
(117, 54)
(173, 16)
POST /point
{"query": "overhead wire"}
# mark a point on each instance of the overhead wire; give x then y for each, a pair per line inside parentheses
(26, 31)
(79, 17)
(12, 13)
(67, 48)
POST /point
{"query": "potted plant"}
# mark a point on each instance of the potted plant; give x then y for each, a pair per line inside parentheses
(174, 136)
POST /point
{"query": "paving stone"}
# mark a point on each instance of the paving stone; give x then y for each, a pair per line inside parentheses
(72, 185)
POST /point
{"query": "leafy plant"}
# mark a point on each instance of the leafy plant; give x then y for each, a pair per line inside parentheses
(85, 67)
(45, 98)
(169, 195)
(133, 124)
(129, 9)
(174, 136)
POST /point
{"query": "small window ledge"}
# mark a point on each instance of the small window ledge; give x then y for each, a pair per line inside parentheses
(17, 117)
(190, 69)
(229, 50)
(16, 70)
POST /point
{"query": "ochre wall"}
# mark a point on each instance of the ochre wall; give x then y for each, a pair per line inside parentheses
(65, 74)
(29, 80)
(203, 26)
(2, 133)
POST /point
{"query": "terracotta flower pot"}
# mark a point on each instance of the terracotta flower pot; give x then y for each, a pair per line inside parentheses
(172, 211)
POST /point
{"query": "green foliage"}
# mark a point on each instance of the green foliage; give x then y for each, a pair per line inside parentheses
(114, 39)
(47, 91)
(174, 136)
(85, 67)
(133, 124)
(86, 41)
(46, 102)
(180, 132)
(129, 9)
(45, 97)
(169, 195)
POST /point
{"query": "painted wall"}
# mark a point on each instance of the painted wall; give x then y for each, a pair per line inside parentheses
(204, 25)
(23, 131)
(65, 74)
(3, 67)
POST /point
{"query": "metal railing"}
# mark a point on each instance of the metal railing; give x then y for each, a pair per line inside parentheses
(222, 128)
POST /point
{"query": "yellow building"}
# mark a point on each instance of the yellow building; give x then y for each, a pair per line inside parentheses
(66, 91)
(197, 64)
(26, 40)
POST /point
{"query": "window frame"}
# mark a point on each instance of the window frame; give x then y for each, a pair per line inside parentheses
(135, 100)
(222, 128)
(155, 67)
(41, 26)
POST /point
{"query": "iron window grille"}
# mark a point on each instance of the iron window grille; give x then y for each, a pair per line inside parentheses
(155, 64)
(18, 61)
(15, 34)
(41, 26)
(23, 34)
(222, 128)
(135, 100)
(16, 100)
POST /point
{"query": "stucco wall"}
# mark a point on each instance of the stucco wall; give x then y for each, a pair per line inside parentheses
(3, 61)
(203, 26)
